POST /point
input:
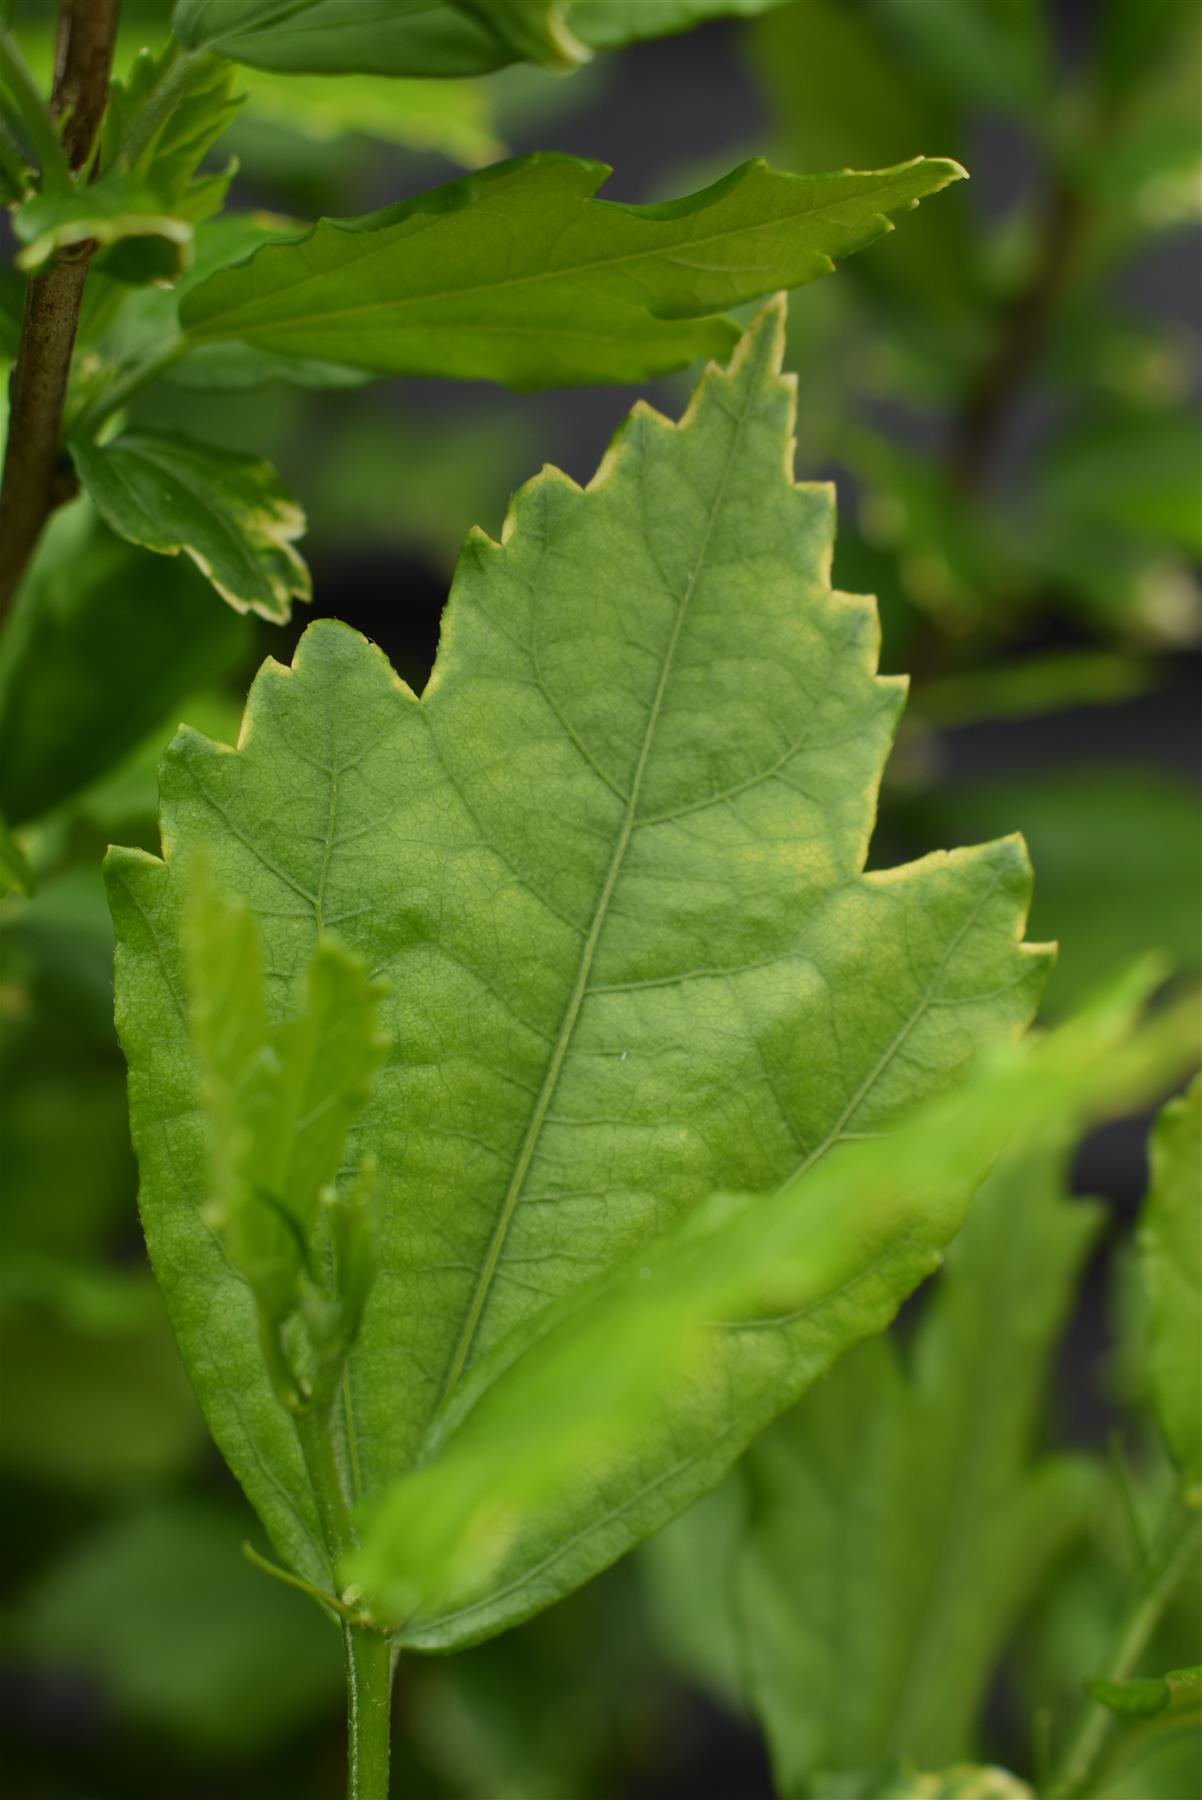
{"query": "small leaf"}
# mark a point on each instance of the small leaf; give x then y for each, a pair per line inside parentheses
(106, 212)
(172, 153)
(104, 644)
(519, 275)
(225, 510)
(280, 1103)
(1171, 1250)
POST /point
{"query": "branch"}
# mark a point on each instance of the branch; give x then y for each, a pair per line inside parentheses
(979, 426)
(83, 61)
(33, 482)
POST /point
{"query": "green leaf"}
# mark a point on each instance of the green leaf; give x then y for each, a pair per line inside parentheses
(416, 37)
(830, 74)
(964, 1782)
(453, 118)
(1171, 1251)
(1135, 473)
(202, 110)
(16, 876)
(225, 510)
(158, 1608)
(630, 1379)
(916, 1472)
(95, 1399)
(117, 207)
(533, 30)
(519, 275)
(1178, 1694)
(338, 37)
(995, 52)
(103, 645)
(610, 866)
(280, 1104)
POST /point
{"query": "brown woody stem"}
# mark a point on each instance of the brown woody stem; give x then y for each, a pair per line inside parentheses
(978, 428)
(34, 483)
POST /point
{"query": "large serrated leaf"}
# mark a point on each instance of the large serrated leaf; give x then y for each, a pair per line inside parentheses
(594, 1421)
(611, 868)
(520, 275)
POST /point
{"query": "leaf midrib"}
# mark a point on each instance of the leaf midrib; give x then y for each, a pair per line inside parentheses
(568, 272)
(487, 1276)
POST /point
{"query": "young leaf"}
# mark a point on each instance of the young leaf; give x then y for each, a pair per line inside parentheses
(280, 1104)
(611, 867)
(225, 510)
(918, 1483)
(519, 275)
(1171, 1246)
(171, 152)
(108, 212)
(590, 1419)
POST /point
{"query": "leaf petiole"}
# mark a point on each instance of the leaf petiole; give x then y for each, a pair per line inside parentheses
(368, 1650)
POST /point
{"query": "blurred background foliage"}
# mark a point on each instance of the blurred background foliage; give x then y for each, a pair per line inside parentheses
(1004, 392)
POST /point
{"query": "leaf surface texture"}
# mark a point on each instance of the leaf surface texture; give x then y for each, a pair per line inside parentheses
(225, 510)
(610, 867)
(520, 275)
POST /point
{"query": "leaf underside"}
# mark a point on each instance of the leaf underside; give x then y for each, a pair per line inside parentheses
(520, 275)
(225, 510)
(418, 37)
(610, 866)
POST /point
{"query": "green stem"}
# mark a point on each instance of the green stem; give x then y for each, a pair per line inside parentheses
(1091, 1730)
(368, 1713)
(368, 1652)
